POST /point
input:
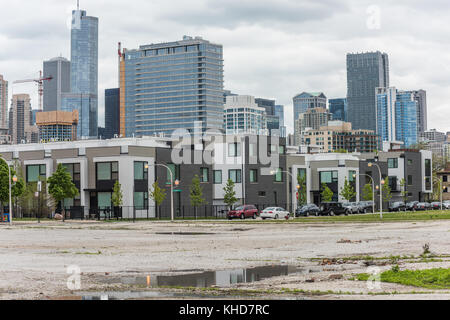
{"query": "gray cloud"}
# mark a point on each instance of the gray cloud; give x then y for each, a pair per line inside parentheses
(272, 49)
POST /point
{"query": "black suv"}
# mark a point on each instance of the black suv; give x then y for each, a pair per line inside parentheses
(332, 209)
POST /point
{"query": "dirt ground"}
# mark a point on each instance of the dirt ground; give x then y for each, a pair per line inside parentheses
(34, 257)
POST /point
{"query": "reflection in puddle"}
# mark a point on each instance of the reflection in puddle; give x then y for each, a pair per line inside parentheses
(223, 278)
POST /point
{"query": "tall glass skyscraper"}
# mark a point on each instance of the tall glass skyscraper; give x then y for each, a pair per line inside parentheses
(338, 108)
(396, 117)
(84, 73)
(59, 69)
(169, 86)
(308, 100)
(365, 73)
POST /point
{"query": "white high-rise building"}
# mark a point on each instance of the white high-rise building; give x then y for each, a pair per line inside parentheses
(242, 115)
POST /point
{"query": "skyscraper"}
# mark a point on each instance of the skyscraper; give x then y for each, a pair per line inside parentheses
(84, 73)
(338, 108)
(396, 118)
(112, 113)
(312, 118)
(243, 115)
(59, 69)
(20, 120)
(169, 86)
(421, 97)
(302, 103)
(272, 118)
(365, 73)
(3, 102)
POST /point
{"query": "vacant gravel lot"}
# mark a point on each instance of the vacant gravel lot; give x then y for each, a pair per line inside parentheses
(34, 257)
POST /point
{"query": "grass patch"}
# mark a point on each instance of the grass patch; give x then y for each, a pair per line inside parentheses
(430, 278)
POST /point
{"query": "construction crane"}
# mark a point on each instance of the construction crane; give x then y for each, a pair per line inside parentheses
(40, 83)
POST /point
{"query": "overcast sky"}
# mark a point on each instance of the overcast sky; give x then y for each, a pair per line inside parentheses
(272, 48)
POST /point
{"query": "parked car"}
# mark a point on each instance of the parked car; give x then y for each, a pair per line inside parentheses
(412, 205)
(332, 208)
(274, 213)
(446, 204)
(366, 206)
(243, 212)
(397, 206)
(352, 207)
(436, 205)
(423, 206)
(307, 210)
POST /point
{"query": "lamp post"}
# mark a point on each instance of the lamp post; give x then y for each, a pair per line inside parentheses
(273, 172)
(171, 187)
(373, 189)
(370, 164)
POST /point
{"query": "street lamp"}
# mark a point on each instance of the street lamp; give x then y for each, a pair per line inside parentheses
(370, 164)
(171, 187)
(373, 189)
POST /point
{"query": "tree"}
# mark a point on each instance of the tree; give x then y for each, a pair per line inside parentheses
(327, 194)
(404, 192)
(347, 191)
(301, 180)
(158, 195)
(230, 194)
(196, 194)
(17, 188)
(367, 192)
(61, 186)
(117, 195)
(387, 196)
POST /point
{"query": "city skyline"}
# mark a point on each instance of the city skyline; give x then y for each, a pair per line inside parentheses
(310, 60)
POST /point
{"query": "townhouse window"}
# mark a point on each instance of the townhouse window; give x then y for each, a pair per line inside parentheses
(392, 181)
(301, 172)
(253, 175)
(444, 178)
(73, 169)
(107, 171)
(140, 200)
(328, 176)
(410, 180)
(140, 170)
(175, 169)
(36, 172)
(282, 149)
(204, 175)
(352, 176)
(392, 163)
(279, 175)
(217, 176)
(410, 162)
(235, 175)
(234, 149)
(104, 200)
(261, 194)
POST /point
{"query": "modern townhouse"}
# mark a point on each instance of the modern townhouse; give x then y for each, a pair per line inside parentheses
(263, 169)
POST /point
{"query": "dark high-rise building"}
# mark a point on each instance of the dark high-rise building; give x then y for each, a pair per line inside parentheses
(274, 122)
(112, 113)
(59, 70)
(421, 97)
(338, 108)
(365, 73)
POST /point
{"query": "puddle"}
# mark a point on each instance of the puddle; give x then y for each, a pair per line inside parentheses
(223, 278)
(185, 233)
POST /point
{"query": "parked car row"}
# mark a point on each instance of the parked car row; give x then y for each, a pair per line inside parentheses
(418, 206)
(330, 209)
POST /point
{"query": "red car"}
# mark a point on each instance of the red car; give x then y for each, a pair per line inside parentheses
(242, 212)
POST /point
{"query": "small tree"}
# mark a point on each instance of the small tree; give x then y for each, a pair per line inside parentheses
(404, 192)
(61, 186)
(158, 195)
(117, 195)
(347, 191)
(387, 196)
(327, 194)
(17, 188)
(230, 194)
(196, 194)
(301, 180)
(367, 192)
